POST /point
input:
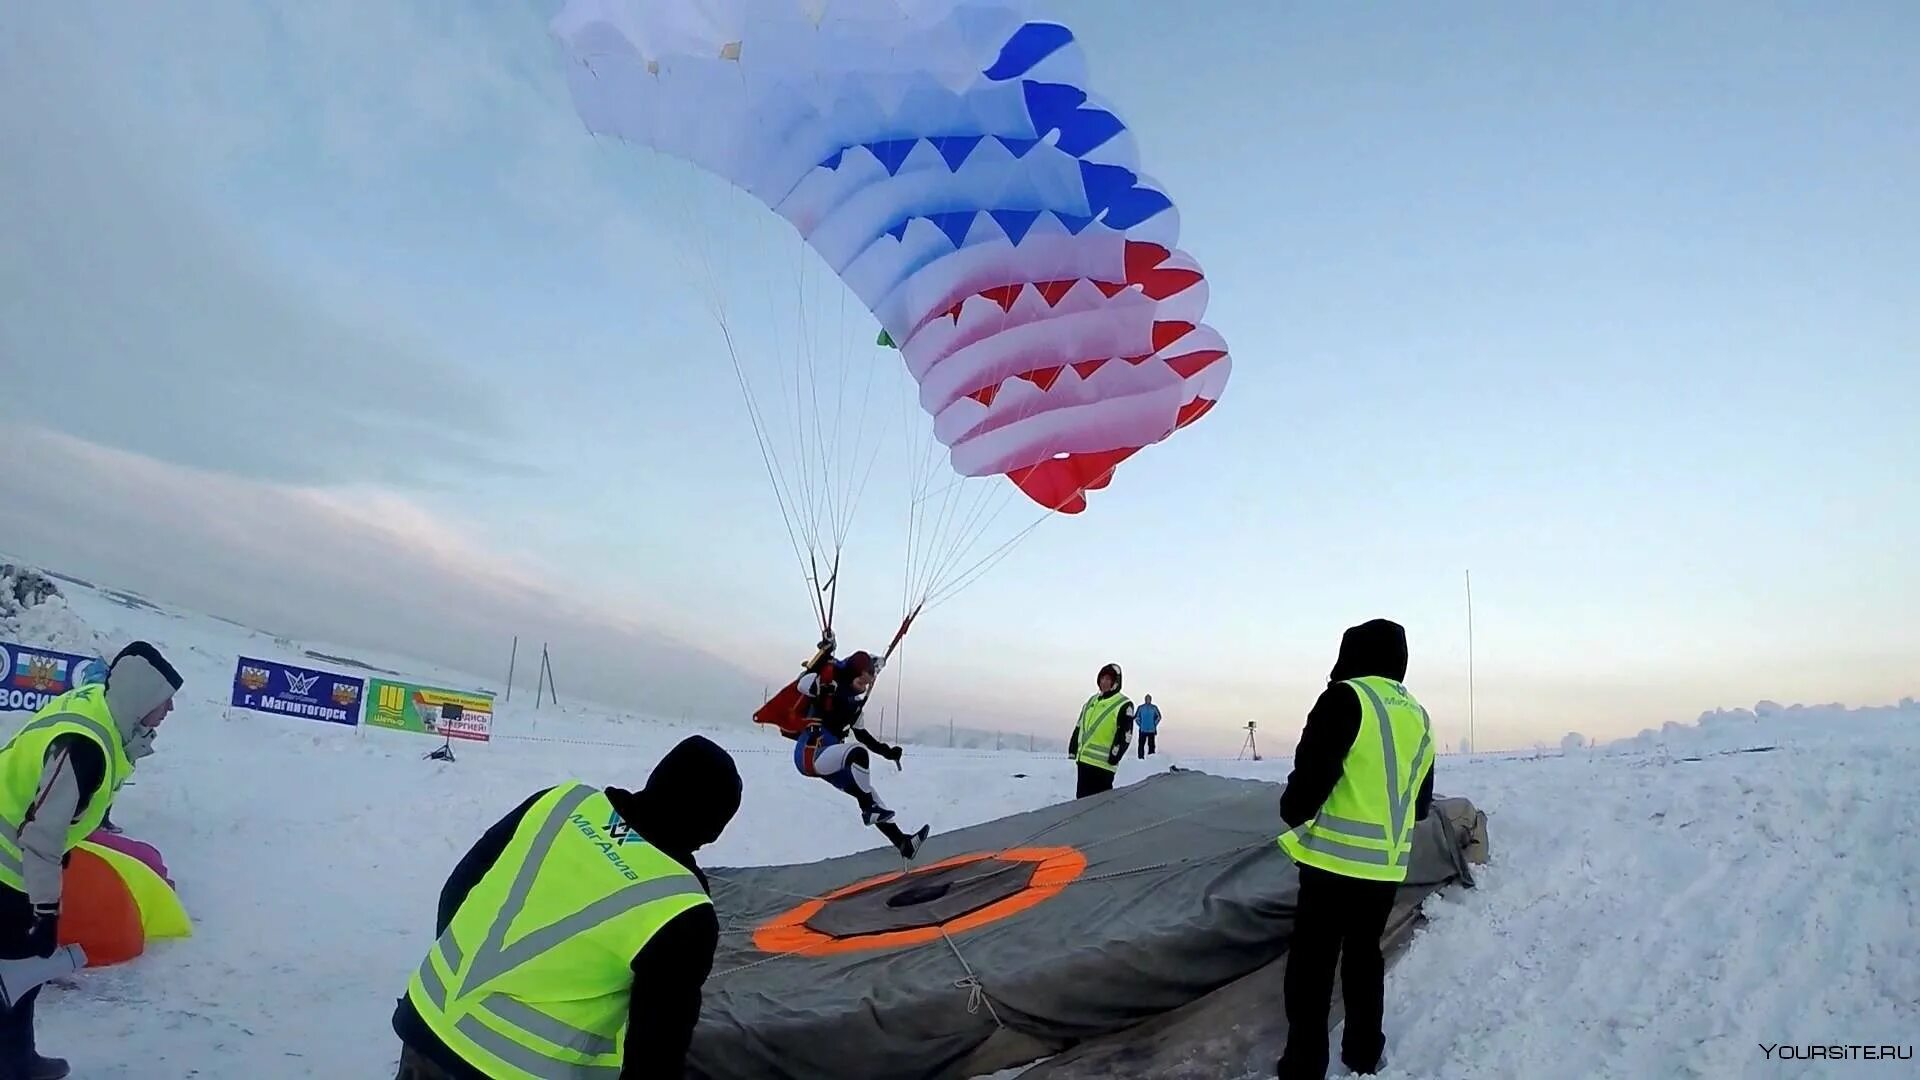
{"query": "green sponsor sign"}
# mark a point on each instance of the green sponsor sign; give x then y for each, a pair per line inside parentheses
(429, 710)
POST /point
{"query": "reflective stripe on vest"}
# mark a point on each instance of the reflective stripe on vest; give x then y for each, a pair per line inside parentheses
(80, 712)
(1098, 719)
(583, 898)
(1365, 827)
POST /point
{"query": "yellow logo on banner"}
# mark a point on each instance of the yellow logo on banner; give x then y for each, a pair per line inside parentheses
(393, 698)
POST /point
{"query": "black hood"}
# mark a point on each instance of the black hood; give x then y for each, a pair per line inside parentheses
(1376, 647)
(689, 799)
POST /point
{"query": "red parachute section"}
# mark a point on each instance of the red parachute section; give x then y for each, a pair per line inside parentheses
(1061, 483)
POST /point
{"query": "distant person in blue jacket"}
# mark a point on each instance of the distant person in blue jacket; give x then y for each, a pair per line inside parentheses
(1147, 720)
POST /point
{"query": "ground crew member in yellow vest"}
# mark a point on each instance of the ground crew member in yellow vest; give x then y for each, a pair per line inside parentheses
(1100, 737)
(58, 775)
(574, 939)
(1362, 775)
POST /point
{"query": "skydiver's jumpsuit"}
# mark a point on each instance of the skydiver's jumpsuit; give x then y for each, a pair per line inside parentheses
(823, 751)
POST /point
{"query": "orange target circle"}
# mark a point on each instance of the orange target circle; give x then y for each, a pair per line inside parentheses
(788, 932)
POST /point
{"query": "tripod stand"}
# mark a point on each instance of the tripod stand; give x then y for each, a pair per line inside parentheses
(1249, 745)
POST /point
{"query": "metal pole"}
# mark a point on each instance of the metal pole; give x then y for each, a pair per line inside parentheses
(512, 658)
(1471, 744)
(552, 691)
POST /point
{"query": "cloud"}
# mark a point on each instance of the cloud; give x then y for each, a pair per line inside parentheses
(119, 288)
(369, 569)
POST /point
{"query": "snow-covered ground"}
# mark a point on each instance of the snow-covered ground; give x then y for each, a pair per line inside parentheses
(1658, 907)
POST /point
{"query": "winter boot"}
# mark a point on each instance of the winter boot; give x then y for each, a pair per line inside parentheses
(909, 846)
(914, 841)
(46, 1068)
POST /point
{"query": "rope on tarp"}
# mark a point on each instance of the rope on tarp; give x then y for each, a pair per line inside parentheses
(976, 991)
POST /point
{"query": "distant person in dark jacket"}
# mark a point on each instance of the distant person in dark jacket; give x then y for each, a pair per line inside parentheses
(1350, 807)
(1147, 720)
(611, 927)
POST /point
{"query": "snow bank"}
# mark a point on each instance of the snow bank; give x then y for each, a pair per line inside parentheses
(1667, 917)
(34, 612)
(1767, 723)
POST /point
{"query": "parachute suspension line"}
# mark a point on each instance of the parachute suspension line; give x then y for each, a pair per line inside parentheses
(899, 685)
(856, 491)
(809, 567)
(994, 557)
(937, 554)
(694, 260)
(806, 556)
(844, 493)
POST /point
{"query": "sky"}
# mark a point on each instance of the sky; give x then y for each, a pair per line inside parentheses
(334, 317)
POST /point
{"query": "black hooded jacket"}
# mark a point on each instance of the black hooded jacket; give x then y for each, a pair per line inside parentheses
(1379, 648)
(688, 800)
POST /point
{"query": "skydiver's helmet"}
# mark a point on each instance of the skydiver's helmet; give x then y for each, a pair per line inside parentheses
(857, 665)
(1111, 671)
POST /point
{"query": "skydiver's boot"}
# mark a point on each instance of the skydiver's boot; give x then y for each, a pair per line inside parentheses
(909, 846)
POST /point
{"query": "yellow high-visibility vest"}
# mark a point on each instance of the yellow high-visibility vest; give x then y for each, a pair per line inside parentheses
(1099, 720)
(83, 712)
(1365, 828)
(532, 978)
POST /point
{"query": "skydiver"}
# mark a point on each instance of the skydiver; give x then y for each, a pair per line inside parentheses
(835, 695)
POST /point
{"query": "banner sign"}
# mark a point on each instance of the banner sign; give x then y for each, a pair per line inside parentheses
(271, 687)
(429, 710)
(31, 676)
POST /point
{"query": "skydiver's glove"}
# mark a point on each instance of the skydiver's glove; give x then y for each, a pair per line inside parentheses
(43, 933)
(1117, 754)
(892, 753)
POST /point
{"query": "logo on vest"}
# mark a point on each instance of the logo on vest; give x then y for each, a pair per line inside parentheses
(607, 842)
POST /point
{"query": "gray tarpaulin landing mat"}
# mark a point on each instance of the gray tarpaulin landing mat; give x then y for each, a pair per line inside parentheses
(1016, 939)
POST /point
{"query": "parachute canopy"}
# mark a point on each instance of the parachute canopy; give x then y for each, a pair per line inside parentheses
(115, 898)
(949, 160)
(1015, 939)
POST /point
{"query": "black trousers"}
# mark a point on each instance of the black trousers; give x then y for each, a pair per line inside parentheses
(1093, 780)
(16, 1024)
(415, 1065)
(1339, 920)
(1147, 744)
(16, 1037)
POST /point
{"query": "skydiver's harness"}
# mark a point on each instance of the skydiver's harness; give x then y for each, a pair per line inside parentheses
(809, 735)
